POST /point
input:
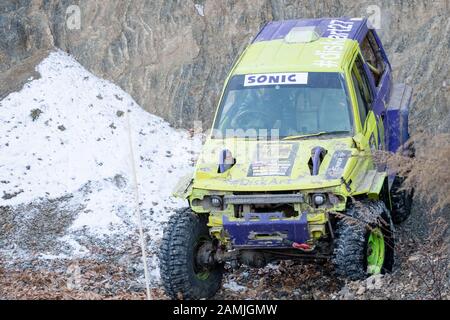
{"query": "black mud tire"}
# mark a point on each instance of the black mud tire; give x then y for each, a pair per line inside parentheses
(401, 201)
(350, 245)
(177, 258)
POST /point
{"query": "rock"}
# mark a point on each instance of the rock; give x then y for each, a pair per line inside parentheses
(7, 196)
(375, 282)
(346, 294)
(361, 290)
(120, 181)
(35, 113)
(173, 56)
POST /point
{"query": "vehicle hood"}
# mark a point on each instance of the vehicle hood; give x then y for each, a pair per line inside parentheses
(274, 165)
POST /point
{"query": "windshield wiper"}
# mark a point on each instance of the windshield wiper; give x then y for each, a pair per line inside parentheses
(313, 135)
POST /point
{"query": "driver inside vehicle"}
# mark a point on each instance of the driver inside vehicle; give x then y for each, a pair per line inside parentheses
(254, 112)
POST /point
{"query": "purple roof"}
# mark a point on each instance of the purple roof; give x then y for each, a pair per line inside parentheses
(327, 27)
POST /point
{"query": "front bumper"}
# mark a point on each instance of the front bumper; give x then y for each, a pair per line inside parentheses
(266, 230)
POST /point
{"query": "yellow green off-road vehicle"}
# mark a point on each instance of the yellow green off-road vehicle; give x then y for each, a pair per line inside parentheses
(288, 170)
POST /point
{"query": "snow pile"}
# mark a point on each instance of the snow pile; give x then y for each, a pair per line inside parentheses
(69, 133)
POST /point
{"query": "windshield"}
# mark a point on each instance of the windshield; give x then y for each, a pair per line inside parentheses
(284, 104)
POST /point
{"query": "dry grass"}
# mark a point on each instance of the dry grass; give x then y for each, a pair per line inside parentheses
(429, 174)
(97, 282)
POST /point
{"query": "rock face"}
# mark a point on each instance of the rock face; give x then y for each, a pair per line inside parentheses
(173, 56)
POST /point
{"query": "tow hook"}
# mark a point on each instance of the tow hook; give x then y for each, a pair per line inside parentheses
(300, 246)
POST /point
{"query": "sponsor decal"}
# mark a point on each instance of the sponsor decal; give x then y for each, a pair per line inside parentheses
(337, 164)
(339, 29)
(264, 181)
(275, 79)
(273, 160)
(331, 51)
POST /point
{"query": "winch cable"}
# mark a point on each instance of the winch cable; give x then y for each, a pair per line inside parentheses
(138, 211)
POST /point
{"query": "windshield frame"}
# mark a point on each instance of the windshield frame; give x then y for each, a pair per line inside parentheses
(343, 82)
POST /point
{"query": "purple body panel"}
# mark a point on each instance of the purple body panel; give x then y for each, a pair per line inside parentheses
(276, 30)
(396, 120)
(243, 233)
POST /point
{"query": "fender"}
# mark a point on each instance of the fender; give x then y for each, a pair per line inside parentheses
(371, 184)
(376, 187)
(184, 187)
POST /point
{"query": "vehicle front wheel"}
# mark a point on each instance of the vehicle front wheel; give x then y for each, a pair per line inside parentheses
(364, 243)
(185, 248)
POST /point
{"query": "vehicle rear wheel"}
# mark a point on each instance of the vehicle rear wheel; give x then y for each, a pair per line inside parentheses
(364, 243)
(401, 201)
(185, 248)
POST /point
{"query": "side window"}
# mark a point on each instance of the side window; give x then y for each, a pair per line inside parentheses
(365, 84)
(362, 105)
(372, 55)
(362, 89)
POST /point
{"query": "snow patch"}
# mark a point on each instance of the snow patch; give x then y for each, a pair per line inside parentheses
(69, 132)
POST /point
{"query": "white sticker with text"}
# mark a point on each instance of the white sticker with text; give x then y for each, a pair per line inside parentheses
(275, 79)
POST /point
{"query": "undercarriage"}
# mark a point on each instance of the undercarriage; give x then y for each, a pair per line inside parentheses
(210, 254)
(359, 242)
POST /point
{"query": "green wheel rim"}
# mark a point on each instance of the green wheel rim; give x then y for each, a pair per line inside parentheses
(375, 251)
(202, 275)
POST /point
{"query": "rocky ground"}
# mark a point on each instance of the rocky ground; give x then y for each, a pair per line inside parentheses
(288, 280)
(112, 272)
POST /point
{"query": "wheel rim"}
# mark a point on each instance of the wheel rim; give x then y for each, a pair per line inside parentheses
(203, 275)
(375, 251)
(200, 272)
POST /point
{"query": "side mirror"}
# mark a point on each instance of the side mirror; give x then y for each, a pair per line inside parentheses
(360, 141)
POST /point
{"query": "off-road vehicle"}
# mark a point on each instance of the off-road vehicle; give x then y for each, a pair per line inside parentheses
(288, 171)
